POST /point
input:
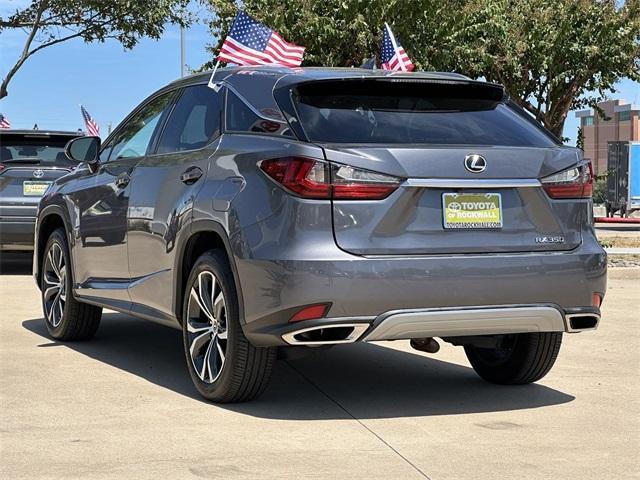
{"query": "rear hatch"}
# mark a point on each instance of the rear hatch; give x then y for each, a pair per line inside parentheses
(29, 163)
(468, 164)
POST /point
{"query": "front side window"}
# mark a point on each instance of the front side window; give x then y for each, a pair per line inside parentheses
(133, 138)
(194, 121)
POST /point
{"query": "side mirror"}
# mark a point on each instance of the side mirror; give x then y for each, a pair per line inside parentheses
(83, 150)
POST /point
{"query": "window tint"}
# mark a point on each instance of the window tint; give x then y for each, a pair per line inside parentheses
(106, 150)
(133, 139)
(240, 118)
(43, 150)
(396, 113)
(194, 121)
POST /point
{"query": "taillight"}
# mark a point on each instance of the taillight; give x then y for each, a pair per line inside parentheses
(304, 176)
(2, 167)
(575, 182)
(316, 179)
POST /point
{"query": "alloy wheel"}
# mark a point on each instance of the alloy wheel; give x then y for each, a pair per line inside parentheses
(207, 327)
(55, 285)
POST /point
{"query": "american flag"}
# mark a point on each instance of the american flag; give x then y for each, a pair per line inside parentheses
(393, 56)
(92, 126)
(4, 122)
(251, 43)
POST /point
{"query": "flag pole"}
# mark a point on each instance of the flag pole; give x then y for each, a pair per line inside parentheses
(212, 84)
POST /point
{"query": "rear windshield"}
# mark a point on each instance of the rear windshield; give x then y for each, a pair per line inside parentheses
(408, 113)
(41, 150)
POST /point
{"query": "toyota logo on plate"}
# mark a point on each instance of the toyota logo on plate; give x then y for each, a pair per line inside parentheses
(475, 163)
(38, 173)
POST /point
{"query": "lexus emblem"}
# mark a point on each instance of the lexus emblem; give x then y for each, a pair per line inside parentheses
(38, 173)
(475, 163)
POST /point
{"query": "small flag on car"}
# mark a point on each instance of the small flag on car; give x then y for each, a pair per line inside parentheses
(392, 55)
(92, 126)
(4, 122)
(251, 43)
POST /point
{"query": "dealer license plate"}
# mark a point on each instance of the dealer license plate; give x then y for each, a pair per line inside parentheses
(472, 210)
(34, 188)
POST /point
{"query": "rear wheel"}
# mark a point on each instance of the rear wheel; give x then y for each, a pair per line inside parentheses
(65, 317)
(518, 359)
(222, 363)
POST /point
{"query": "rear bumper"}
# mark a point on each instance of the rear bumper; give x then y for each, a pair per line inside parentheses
(442, 322)
(16, 233)
(369, 290)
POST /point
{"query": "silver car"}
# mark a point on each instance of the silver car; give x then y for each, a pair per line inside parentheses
(291, 209)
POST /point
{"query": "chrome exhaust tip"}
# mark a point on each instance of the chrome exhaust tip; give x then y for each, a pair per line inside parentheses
(581, 322)
(326, 334)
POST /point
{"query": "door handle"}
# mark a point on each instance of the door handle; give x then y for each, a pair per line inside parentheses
(123, 180)
(191, 175)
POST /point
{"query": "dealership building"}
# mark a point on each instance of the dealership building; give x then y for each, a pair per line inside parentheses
(622, 123)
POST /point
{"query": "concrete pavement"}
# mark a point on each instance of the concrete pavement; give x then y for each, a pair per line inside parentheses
(122, 406)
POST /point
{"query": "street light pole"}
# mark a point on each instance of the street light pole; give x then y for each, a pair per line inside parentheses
(182, 54)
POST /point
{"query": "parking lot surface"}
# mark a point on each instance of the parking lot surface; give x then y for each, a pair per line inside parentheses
(122, 406)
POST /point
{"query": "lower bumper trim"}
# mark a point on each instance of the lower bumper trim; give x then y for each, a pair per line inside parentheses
(465, 322)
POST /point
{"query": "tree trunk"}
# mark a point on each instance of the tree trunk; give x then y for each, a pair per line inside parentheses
(557, 127)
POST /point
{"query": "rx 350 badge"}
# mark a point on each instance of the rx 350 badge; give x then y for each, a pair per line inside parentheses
(550, 239)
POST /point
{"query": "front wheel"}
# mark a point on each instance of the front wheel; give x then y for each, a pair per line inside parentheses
(223, 365)
(518, 359)
(65, 317)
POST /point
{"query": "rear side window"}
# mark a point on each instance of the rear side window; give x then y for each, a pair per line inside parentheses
(242, 118)
(194, 121)
(41, 150)
(390, 112)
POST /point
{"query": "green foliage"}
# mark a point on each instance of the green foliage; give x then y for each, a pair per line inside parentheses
(551, 55)
(342, 33)
(580, 139)
(600, 189)
(49, 22)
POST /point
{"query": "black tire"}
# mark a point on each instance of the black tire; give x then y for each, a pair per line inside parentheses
(244, 371)
(66, 318)
(520, 359)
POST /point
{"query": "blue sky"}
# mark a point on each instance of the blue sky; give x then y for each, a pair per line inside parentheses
(109, 81)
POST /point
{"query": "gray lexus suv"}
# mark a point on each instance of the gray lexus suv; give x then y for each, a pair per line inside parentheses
(274, 209)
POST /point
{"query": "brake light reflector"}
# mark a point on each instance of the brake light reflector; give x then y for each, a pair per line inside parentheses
(316, 179)
(311, 312)
(596, 299)
(575, 182)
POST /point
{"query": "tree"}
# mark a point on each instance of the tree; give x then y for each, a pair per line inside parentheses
(49, 22)
(335, 32)
(551, 55)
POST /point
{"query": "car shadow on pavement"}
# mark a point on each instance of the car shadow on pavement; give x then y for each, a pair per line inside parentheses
(360, 380)
(15, 263)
